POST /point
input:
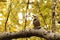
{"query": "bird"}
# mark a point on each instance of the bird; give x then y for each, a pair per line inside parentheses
(36, 22)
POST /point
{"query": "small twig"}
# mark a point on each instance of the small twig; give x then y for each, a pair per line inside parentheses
(26, 14)
(7, 18)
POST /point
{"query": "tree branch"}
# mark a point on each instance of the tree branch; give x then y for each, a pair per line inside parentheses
(31, 32)
(7, 17)
(26, 14)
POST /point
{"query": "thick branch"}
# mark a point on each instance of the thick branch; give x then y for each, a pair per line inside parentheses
(31, 32)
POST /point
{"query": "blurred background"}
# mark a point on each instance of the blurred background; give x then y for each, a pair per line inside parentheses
(16, 15)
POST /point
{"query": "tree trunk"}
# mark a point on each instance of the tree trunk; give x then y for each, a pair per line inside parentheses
(53, 15)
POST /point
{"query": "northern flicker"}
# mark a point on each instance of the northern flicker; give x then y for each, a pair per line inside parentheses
(36, 22)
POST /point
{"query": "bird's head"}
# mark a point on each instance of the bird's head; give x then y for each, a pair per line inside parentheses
(35, 17)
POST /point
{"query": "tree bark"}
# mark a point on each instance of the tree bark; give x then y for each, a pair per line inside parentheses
(31, 32)
(53, 15)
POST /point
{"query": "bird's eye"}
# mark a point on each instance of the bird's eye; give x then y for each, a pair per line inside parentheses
(34, 19)
(59, 22)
